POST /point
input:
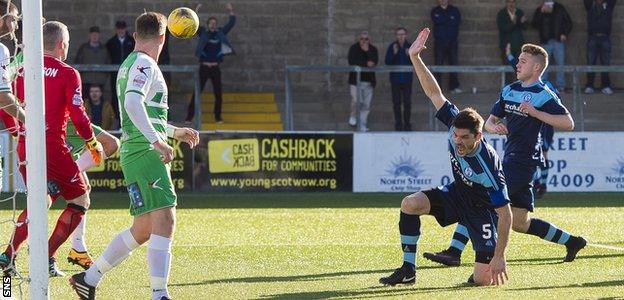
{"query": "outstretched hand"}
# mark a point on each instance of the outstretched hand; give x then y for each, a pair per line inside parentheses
(419, 44)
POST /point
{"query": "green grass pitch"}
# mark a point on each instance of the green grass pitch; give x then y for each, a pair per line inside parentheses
(337, 245)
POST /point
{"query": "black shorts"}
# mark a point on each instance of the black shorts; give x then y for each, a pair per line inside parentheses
(449, 207)
(519, 178)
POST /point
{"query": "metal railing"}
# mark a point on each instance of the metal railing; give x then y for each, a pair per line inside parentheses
(165, 68)
(578, 110)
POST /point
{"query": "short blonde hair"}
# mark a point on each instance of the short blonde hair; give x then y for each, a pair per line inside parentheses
(538, 52)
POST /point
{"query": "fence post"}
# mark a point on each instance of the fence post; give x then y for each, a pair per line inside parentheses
(198, 100)
(288, 101)
(358, 80)
(502, 78)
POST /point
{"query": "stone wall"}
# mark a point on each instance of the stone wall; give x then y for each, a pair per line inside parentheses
(270, 34)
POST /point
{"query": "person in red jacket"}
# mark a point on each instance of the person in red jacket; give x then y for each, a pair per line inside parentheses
(63, 100)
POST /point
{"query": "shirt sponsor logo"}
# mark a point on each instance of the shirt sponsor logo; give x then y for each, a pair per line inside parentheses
(457, 170)
(139, 81)
(514, 109)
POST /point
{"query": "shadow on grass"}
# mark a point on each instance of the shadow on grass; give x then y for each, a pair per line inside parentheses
(580, 285)
(317, 200)
(308, 277)
(557, 260)
(372, 292)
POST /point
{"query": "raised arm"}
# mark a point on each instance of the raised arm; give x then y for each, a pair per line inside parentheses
(427, 81)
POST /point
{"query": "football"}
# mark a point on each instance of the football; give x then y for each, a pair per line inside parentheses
(183, 23)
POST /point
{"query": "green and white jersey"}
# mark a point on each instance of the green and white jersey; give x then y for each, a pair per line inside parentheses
(140, 74)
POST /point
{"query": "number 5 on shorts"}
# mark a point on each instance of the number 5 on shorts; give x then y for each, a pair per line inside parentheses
(487, 231)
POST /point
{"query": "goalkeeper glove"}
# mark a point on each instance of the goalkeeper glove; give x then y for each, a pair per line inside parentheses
(96, 150)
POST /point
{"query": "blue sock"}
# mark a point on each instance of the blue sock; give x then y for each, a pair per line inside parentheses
(544, 175)
(460, 239)
(548, 232)
(409, 227)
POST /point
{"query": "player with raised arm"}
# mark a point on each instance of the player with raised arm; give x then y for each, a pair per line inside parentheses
(63, 100)
(145, 162)
(526, 105)
(477, 197)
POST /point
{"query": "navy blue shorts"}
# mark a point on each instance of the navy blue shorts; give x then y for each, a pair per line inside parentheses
(519, 179)
(547, 133)
(449, 207)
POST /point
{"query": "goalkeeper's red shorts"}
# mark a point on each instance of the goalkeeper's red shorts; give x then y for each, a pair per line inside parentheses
(64, 178)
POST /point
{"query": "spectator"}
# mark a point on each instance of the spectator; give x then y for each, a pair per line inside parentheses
(446, 19)
(100, 111)
(119, 47)
(510, 21)
(554, 25)
(599, 17)
(401, 82)
(362, 54)
(213, 44)
(92, 52)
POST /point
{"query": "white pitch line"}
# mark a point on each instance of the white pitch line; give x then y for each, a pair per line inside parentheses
(606, 247)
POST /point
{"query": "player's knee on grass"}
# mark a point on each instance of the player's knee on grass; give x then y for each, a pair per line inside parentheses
(109, 142)
(482, 275)
(416, 204)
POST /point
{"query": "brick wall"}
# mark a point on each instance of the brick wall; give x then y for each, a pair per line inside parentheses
(271, 34)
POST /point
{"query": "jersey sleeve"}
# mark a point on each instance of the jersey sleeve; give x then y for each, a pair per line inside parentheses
(447, 113)
(77, 113)
(140, 77)
(5, 76)
(554, 107)
(498, 109)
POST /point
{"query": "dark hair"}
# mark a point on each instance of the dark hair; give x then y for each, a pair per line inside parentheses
(537, 51)
(211, 18)
(95, 85)
(120, 24)
(150, 25)
(401, 28)
(469, 118)
(94, 29)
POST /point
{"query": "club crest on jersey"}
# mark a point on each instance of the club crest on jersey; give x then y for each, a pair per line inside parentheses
(139, 81)
(468, 171)
(527, 97)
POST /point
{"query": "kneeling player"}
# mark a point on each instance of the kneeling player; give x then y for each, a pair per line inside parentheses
(478, 196)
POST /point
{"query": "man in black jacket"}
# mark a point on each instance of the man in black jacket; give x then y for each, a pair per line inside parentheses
(119, 47)
(599, 17)
(554, 25)
(362, 54)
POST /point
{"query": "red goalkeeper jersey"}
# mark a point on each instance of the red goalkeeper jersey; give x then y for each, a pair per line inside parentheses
(63, 99)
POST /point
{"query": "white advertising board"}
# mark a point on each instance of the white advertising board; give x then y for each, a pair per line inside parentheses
(408, 162)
